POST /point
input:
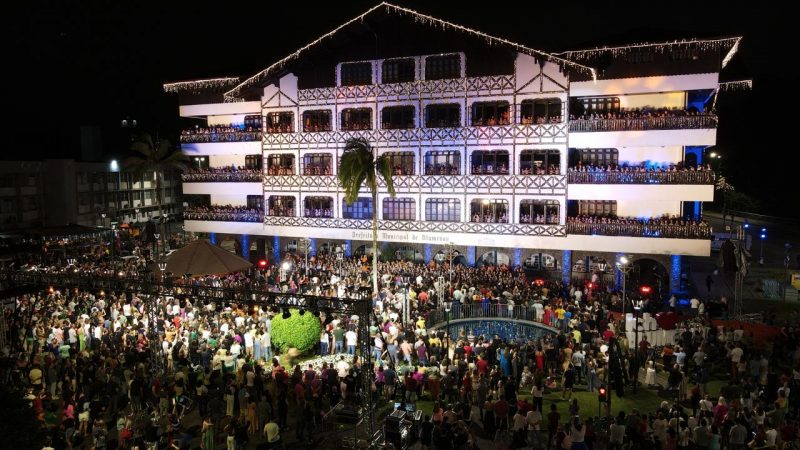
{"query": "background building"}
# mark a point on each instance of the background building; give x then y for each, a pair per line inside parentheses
(489, 139)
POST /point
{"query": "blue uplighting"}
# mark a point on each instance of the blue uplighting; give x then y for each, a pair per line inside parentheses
(212, 237)
(471, 256)
(276, 248)
(348, 248)
(427, 252)
(566, 266)
(245, 246)
(675, 273)
(517, 257)
(312, 246)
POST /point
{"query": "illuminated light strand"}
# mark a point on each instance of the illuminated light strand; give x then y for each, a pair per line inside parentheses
(232, 94)
(198, 85)
(740, 85)
(702, 44)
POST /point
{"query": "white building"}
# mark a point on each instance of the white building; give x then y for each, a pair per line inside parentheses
(480, 132)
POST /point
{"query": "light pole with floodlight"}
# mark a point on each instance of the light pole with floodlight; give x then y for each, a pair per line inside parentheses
(763, 237)
(624, 265)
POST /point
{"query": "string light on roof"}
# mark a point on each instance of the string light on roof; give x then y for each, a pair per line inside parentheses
(201, 85)
(231, 95)
(740, 85)
(731, 43)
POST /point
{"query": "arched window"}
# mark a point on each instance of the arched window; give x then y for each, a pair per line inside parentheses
(490, 162)
(489, 211)
(540, 110)
(281, 206)
(540, 162)
(399, 209)
(539, 212)
(318, 207)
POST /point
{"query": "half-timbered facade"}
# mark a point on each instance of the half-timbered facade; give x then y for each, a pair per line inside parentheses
(489, 142)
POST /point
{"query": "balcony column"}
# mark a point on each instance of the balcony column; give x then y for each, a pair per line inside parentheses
(675, 273)
(312, 246)
(427, 252)
(471, 255)
(566, 266)
(517, 257)
(348, 248)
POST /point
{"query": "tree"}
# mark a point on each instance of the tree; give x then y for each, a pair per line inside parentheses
(300, 331)
(359, 167)
(156, 157)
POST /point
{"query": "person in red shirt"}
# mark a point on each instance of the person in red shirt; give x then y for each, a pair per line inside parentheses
(468, 352)
(608, 334)
(482, 364)
(501, 413)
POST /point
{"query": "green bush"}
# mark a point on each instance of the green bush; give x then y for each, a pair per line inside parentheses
(298, 331)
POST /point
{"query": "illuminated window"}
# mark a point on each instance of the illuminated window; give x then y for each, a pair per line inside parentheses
(539, 162)
(280, 122)
(359, 209)
(443, 210)
(539, 212)
(280, 164)
(354, 119)
(317, 164)
(488, 211)
(544, 110)
(281, 206)
(490, 114)
(318, 207)
(489, 162)
(443, 163)
(317, 120)
(402, 162)
(399, 209)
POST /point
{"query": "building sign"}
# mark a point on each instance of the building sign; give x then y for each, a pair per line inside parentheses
(395, 236)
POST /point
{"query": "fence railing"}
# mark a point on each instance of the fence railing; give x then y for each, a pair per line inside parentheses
(224, 216)
(682, 177)
(676, 231)
(223, 177)
(460, 311)
(644, 123)
(232, 136)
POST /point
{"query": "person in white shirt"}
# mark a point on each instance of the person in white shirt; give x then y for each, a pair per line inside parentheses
(342, 368)
(534, 419)
(351, 339)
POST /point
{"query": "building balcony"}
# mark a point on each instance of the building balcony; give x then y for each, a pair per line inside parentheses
(433, 184)
(649, 228)
(677, 122)
(555, 133)
(643, 177)
(223, 176)
(205, 136)
(223, 214)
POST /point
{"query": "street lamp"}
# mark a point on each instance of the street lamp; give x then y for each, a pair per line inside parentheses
(284, 268)
(763, 237)
(339, 258)
(450, 258)
(624, 266)
(157, 236)
(636, 311)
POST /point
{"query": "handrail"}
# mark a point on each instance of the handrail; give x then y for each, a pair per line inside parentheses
(460, 311)
(644, 123)
(676, 231)
(646, 177)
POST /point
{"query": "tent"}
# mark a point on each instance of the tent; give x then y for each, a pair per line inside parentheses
(202, 258)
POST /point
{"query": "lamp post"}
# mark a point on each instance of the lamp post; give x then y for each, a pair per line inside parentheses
(157, 236)
(162, 266)
(305, 246)
(636, 311)
(763, 237)
(624, 266)
(447, 307)
(339, 258)
(450, 246)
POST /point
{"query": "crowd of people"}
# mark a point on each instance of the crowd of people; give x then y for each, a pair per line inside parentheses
(642, 119)
(220, 133)
(442, 169)
(225, 213)
(666, 226)
(278, 169)
(86, 359)
(223, 174)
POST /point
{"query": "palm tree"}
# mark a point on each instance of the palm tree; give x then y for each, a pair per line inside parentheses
(156, 157)
(360, 167)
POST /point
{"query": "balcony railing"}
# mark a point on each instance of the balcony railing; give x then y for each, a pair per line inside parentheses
(644, 123)
(647, 177)
(230, 136)
(689, 230)
(228, 176)
(460, 311)
(223, 214)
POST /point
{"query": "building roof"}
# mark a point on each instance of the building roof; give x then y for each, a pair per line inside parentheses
(431, 21)
(193, 86)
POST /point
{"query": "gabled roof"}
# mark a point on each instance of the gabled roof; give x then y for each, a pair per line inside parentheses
(199, 85)
(232, 94)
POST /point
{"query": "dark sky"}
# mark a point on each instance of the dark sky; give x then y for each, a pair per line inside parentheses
(95, 62)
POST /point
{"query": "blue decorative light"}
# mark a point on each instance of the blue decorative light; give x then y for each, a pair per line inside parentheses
(566, 266)
(312, 246)
(675, 273)
(212, 237)
(348, 246)
(276, 248)
(517, 257)
(471, 256)
(618, 273)
(245, 245)
(427, 252)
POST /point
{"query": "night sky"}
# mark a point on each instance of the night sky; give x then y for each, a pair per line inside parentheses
(95, 63)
